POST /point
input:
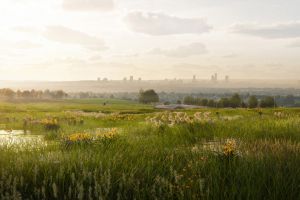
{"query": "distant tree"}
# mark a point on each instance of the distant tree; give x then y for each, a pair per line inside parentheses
(26, 94)
(59, 94)
(39, 94)
(235, 101)
(148, 96)
(252, 102)
(32, 94)
(244, 104)
(289, 100)
(83, 95)
(19, 94)
(268, 102)
(224, 102)
(47, 94)
(204, 102)
(179, 102)
(211, 103)
(189, 100)
(167, 103)
(8, 93)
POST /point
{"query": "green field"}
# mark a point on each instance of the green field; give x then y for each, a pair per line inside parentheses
(113, 149)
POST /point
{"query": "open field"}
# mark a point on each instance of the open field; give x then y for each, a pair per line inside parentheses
(113, 149)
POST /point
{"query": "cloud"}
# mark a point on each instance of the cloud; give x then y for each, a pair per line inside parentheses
(230, 55)
(276, 31)
(26, 45)
(88, 5)
(295, 44)
(182, 51)
(162, 24)
(66, 35)
(25, 29)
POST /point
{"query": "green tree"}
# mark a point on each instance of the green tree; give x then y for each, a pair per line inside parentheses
(211, 103)
(235, 101)
(268, 102)
(148, 96)
(224, 102)
(8, 93)
(189, 100)
(204, 102)
(289, 100)
(252, 102)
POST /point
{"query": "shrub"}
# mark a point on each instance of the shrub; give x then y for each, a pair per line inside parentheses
(50, 124)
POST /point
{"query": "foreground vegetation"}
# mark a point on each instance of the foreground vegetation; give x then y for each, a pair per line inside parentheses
(110, 149)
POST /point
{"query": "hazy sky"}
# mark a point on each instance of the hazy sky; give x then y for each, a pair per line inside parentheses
(152, 39)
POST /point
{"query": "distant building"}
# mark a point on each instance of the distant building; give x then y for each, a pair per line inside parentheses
(227, 78)
(214, 77)
(194, 78)
(98, 79)
(131, 78)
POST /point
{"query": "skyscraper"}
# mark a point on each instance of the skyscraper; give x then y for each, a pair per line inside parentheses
(227, 78)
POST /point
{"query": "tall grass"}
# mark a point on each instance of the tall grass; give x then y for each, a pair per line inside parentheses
(148, 162)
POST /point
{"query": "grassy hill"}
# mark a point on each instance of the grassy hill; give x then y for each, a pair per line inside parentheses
(112, 149)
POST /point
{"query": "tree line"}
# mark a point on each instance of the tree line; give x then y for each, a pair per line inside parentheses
(32, 94)
(235, 101)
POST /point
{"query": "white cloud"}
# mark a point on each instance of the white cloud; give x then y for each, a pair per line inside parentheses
(25, 29)
(26, 45)
(66, 35)
(88, 5)
(276, 31)
(162, 24)
(182, 51)
(295, 44)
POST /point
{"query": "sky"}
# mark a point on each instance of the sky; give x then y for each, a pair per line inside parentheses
(63, 40)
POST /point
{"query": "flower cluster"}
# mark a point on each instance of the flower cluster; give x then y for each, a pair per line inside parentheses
(74, 120)
(119, 117)
(50, 124)
(86, 114)
(80, 137)
(230, 148)
(77, 139)
(175, 118)
(102, 135)
(279, 114)
(107, 134)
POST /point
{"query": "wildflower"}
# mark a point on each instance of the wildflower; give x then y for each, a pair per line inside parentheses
(279, 114)
(110, 134)
(79, 137)
(230, 147)
(50, 124)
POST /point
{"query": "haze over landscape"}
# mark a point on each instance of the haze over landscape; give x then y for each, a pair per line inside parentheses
(68, 40)
(149, 99)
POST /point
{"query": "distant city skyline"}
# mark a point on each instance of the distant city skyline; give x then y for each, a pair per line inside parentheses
(81, 39)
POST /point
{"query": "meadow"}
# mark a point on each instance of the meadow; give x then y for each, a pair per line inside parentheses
(114, 149)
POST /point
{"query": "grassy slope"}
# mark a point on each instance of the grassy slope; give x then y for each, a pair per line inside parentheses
(148, 163)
